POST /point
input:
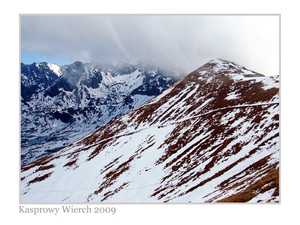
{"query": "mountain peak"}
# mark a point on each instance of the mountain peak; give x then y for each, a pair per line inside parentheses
(55, 68)
(218, 65)
(224, 69)
(77, 63)
(219, 61)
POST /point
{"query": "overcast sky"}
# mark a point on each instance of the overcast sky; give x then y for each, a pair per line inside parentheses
(182, 41)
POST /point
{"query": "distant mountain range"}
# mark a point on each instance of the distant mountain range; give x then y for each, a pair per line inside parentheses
(61, 104)
(212, 136)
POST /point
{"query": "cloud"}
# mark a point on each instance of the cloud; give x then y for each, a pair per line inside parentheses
(178, 41)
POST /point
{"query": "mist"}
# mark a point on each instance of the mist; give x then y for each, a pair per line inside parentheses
(183, 42)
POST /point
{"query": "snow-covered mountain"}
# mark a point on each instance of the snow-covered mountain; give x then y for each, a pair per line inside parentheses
(37, 77)
(211, 137)
(59, 105)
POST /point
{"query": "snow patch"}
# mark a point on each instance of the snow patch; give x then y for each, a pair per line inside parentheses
(263, 197)
(270, 82)
(55, 68)
(232, 95)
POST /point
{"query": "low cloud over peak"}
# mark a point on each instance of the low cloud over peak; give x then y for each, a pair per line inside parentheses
(178, 41)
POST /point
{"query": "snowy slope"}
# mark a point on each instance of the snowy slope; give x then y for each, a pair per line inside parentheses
(211, 137)
(78, 99)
